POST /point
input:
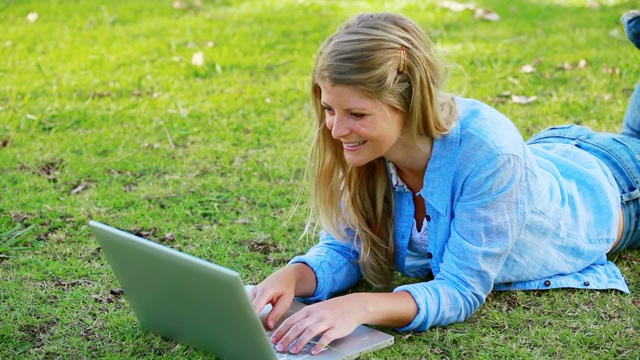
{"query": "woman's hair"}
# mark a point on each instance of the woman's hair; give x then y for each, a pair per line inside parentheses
(388, 57)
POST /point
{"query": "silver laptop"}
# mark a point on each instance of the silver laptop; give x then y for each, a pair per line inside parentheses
(204, 305)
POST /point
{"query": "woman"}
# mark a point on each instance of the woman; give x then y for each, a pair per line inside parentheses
(407, 177)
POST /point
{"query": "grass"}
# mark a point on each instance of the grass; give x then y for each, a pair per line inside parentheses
(103, 116)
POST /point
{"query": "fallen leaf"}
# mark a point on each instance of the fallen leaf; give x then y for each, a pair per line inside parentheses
(611, 70)
(239, 160)
(518, 99)
(615, 33)
(50, 170)
(566, 66)
(116, 292)
(101, 94)
(527, 69)
(242, 221)
(80, 187)
(144, 233)
(67, 285)
(484, 14)
(32, 17)
(4, 143)
(105, 300)
(198, 59)
(582, 64)
(456, 6)
(179, 5)
(18, 217)
(262, 247)
(169, 237)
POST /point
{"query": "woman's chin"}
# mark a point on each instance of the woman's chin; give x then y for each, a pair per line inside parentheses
(357, 161)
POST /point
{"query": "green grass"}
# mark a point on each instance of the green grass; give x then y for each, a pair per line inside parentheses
(103, 116)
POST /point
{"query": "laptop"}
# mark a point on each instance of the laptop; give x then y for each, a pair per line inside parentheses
(204, 305)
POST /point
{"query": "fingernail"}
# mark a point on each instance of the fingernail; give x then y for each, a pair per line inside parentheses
(279, 347)
(294, 349)
(272, 323)
(273, 340)
(314, 351)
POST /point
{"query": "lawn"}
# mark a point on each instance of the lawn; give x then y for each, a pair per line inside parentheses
(187, 123)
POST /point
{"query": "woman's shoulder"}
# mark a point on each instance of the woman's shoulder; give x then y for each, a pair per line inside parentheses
(480, 125)
(474, 115)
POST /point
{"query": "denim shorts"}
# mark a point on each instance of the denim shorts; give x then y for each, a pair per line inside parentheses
(621, 154)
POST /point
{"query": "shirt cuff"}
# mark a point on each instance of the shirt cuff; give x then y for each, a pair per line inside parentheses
(418, 323)
(314, 263)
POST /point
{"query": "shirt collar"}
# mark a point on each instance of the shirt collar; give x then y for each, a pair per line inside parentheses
(397, 183)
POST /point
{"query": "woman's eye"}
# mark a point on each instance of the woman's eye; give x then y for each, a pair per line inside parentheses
(328, 110)
(357, 115)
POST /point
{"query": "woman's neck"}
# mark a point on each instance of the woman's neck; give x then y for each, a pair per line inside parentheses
(411, 160)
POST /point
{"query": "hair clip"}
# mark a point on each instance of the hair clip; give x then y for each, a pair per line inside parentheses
(403, 60)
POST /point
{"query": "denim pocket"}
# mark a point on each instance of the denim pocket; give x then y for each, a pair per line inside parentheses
(630, 161)
(560, 134)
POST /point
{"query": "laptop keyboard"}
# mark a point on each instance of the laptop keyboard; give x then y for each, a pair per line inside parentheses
(306, 350)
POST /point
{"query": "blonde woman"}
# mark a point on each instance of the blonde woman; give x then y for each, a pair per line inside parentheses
(407, 177)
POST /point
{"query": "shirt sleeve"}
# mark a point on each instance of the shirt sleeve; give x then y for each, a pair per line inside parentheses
(335, 264)
(487, 219)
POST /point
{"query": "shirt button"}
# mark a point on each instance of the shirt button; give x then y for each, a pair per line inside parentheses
(547, 283)
(429, 255)
(427, 217)
(586, 283)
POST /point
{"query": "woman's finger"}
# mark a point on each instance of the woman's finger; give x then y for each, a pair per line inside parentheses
(280, 307)
(324, 341)
(259, 301)
(290, 330)
(308, 334)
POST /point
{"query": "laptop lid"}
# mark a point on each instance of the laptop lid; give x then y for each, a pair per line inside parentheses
(185, 298)
(201, 304)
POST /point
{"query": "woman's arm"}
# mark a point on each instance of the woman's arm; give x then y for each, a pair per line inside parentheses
(328, 267)
(489, 215)
(335, 264)
(280, 288)
(338, 317)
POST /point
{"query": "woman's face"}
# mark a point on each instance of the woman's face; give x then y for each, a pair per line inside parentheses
(366, 127)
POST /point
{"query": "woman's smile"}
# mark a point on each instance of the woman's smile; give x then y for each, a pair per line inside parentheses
(366, 127)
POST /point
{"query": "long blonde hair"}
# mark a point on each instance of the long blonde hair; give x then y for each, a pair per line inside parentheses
(389, 58)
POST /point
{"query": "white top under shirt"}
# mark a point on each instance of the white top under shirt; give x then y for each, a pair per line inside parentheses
(419, 240)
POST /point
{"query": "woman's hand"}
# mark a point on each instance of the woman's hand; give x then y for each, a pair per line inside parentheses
(280, 288)
(332, 319)
(338, 317)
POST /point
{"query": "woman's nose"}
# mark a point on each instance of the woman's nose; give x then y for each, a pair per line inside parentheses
(340, 127)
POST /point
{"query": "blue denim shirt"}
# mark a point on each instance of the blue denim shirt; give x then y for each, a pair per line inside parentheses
(502, 215)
